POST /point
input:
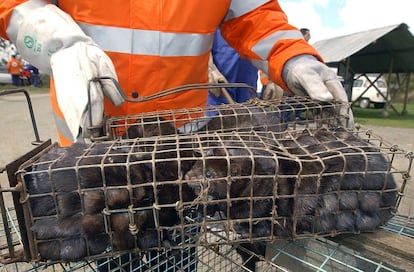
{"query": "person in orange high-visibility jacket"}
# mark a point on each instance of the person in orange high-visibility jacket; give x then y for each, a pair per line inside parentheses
(14, 68)
(154, 45)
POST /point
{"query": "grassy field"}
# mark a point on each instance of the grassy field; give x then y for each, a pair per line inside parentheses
(31, 90)
(375, 117)
(369, 116)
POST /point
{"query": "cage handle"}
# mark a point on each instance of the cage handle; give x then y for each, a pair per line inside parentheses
(186, 87)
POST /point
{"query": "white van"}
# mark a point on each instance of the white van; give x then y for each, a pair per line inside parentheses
(371, 96)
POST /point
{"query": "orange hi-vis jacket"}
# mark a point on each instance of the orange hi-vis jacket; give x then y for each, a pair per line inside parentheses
(264, 79)
(156, 45)
(14, 66)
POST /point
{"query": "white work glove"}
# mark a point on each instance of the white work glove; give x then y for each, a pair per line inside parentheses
(49, 39)
(73, 67)
(272, 91)
(215, 77)
(305, 75)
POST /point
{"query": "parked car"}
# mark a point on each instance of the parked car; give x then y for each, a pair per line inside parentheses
(366, 97)
(5, 77)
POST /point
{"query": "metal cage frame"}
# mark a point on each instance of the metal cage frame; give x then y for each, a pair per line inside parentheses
(215, 238)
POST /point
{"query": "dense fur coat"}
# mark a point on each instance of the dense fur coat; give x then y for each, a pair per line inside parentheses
(320, 182)
(85, 199)
(339, 183)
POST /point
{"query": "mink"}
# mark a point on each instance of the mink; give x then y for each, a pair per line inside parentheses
(80, 197)
(324, 181)
(150, 126)
(244, 117)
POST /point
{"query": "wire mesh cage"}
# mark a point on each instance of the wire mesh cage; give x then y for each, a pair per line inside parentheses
(167, 191)
(259, 115)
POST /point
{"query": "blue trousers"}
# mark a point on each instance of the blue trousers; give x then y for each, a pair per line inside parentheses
(16, 80)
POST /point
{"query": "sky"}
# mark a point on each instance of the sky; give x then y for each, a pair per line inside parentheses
(332, 18)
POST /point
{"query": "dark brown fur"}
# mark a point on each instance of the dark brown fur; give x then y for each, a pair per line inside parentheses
(318, 202)
(150, 126)
(245, 117)
(93, 201)
(99, 183)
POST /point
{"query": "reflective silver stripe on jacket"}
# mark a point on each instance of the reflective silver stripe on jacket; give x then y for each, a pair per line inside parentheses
(261, 64)
(264, 46)
(148, 42)
(63, 128)
(241, 7)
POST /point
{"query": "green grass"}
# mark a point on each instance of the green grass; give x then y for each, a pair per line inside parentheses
(31, 90)
(375, 117)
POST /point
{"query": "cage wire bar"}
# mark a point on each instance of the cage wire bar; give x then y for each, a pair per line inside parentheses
(207, 244)
(310, 255)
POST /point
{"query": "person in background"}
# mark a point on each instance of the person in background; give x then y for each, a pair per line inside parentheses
(26, 77)
(14, 67)
(34, 75)
(226, 66)
(306, 34)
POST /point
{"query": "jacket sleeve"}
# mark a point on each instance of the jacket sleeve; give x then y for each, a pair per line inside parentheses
(6, 10)
(264, 36)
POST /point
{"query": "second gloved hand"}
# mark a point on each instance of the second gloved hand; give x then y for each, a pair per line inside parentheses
(215, 77)
(305, 75)
(272, 91)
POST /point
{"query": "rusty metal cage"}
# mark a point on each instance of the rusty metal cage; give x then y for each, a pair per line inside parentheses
(164, 191)
(259, 115)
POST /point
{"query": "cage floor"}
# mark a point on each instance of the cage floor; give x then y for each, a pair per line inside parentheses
(284, 255)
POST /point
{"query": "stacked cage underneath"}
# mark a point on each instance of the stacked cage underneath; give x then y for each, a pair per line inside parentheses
(234, 188)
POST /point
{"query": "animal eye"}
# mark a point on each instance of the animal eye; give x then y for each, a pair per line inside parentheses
(209, 174)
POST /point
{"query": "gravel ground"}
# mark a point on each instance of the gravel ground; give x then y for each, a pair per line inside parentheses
(403, 137)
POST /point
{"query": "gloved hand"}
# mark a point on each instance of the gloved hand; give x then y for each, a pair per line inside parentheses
(272, 91)
(50, 40)
(73, 67)
(215, 77)
(305, 75)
